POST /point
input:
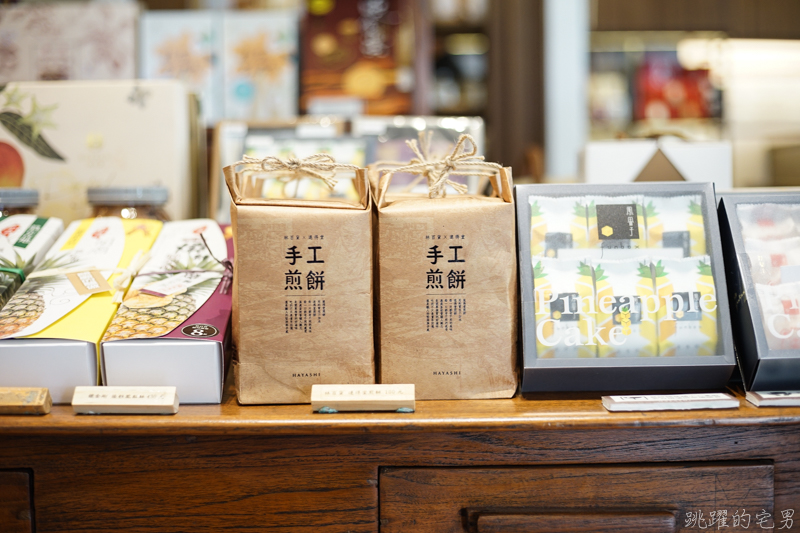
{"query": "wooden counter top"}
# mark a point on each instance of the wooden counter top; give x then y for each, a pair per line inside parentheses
(532, 412)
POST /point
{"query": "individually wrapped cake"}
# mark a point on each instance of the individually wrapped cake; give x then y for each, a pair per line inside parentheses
(687, 313)
(616, 222)
(768, 256)
(767, 221)
(626, 308)
(676, 222)
(564, 299)
(557, 223)
(780, 314)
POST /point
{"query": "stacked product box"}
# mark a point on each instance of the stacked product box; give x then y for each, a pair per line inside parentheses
(52, 326)
(761, 241)
(24, 241)
(172, 325)
(623, 288)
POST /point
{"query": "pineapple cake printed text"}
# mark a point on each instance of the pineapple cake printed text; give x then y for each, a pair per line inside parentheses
(445, 281)
(304, 282)
(572, 307)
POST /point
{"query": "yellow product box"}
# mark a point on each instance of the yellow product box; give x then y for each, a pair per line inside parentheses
(51, 328)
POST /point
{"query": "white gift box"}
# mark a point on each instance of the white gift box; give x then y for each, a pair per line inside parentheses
(624, 161)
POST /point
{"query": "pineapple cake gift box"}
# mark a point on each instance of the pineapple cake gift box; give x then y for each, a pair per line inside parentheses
(761, 240)
(447, 287)
(24, 241)
(51, 328)
(658, 297)
(302, 286)
(172, 325)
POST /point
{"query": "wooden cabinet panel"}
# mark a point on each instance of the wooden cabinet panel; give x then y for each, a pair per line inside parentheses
(656, 522)
(440, 500)
(15, 502)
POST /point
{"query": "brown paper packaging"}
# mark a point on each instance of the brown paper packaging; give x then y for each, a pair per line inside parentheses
(453, 334)
(291, 332)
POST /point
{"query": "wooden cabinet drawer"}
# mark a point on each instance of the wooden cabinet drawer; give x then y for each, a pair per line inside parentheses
(652, 498)
(15, 502)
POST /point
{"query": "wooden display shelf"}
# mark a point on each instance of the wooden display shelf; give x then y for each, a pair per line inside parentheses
(531, 412)
(544, 461)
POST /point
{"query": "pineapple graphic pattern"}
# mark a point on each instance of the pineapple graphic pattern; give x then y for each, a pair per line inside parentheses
(584, 286)
(666, 328)
(27, 305)
(647, 326)
(697, 230)
(142, 315)
(604, 320)
(708, 321)
(579, 226)
(543, 292)
(538, 230)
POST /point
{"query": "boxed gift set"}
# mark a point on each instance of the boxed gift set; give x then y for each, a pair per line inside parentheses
(51, 328)
(447, 280)
(302, 287)
(623, 288)
(761, 241)
(63, 137)
(172, 325)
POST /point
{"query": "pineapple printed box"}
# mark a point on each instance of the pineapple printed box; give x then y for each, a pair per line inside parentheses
(623, 288)
(172, 325)
(51, 328)
(24, 241)
(761, 242)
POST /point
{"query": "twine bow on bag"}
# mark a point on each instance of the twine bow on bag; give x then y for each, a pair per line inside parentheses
(460, 162)
(320, 166)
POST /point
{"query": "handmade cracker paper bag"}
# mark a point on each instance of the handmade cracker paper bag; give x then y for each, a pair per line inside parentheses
(447, 289)
(302, 286)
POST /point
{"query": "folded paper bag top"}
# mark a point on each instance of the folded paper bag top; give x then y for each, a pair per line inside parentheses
(448, 280)
(302, 286)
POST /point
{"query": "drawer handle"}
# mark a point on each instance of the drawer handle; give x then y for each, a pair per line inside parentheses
(573, 522)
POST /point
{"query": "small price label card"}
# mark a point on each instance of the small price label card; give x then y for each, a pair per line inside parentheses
(125, 400)
(25, 401)
(89, 282)
(334, 398)
(774, 398)
(670, 402)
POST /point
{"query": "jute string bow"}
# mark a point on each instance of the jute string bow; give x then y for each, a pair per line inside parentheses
(460, 162)
(320, 166)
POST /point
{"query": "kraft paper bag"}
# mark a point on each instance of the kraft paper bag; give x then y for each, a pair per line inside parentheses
(447, 282)
(302, 287)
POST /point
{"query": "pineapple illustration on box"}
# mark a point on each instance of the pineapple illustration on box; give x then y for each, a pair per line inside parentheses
(626, 308)
(24, 241)
(676, 222)
(179, 278)
(173, 322)
(51, 327)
